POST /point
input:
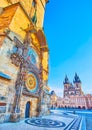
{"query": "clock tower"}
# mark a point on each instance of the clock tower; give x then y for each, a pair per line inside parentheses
(24, 59)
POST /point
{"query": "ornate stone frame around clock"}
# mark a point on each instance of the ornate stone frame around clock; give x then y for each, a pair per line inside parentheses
(24, 65)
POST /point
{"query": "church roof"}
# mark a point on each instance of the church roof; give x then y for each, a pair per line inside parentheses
(76, 79)
(66, 80)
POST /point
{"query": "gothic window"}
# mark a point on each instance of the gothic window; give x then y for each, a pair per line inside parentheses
(66, 87)
(14, 49)
(19, 51)
(33, 12)
(77, 92)
(77, 85)
(33, 3)
(72, 93)
(33, 59)
(2, 98)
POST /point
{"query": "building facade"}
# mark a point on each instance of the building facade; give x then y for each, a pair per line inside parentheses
(24, 60)
(73, 96)
(70, 89)
(81, 102)
(53, 101)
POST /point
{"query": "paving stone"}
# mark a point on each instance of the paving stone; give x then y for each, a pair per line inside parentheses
(50, 122)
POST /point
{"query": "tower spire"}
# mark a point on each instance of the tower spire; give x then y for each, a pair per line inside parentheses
(76, 79)
(66, 80)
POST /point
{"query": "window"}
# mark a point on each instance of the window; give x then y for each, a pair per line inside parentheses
(33, 12)
(33, 59)
(33, 3)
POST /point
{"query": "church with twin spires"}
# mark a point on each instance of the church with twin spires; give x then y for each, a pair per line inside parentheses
(73, 96)
(72, 89)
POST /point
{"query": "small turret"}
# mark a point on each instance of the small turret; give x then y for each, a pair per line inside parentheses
(52, 92)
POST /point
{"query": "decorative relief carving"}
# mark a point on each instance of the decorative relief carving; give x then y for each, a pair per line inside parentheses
(15, 59)
(31, 82)
(27, 59)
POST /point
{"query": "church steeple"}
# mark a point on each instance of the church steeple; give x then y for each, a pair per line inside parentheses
(66, 80)
(76, 79)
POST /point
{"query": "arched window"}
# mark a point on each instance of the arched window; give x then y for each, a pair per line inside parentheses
(33, 3)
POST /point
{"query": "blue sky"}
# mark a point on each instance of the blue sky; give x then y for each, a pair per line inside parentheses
(68, 29)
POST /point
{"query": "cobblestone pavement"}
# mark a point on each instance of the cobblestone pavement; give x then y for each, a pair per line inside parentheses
(55, 121)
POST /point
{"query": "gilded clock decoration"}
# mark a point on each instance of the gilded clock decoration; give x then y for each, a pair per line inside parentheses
(31, 82)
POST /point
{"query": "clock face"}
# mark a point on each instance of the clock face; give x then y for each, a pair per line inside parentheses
(32, 56)
(31, 82)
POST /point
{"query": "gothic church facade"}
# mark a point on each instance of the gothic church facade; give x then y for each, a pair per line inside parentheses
(72, 89)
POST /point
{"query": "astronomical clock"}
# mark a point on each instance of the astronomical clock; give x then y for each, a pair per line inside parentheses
(32, 74)
(31, 63)
(31, 82)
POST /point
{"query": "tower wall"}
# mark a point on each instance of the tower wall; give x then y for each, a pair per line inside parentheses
(23, 48)
(72, 90)
(29, 8)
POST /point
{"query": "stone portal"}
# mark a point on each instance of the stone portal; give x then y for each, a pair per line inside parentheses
(27, 110)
